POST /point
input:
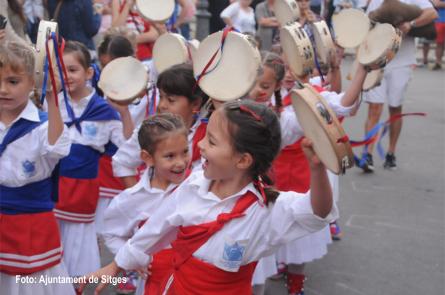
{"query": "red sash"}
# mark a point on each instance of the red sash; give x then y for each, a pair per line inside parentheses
(109, 186)
(29, 243)
(77, 199)
(192, 276)
(161, 268)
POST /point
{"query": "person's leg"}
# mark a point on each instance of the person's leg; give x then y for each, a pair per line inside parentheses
(440, 29)
(398, 79)
(394, 129)
(374, 114)
(426, 50)
(295, 279)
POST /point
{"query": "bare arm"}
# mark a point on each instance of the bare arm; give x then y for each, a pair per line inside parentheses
(149, 36)
(321, 193)
(351, 95)
(55, 122)
(119, 18)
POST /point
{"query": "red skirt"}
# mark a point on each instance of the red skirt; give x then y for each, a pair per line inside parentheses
(29, 243)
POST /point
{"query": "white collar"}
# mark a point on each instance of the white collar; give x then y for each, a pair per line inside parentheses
(144, 184)
(202, 185)
(30, 113)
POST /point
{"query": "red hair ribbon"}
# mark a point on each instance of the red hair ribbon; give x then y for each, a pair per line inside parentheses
(245, 109)
(259, 184)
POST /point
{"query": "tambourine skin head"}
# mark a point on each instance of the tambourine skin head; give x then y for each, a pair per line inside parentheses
(123, 79)
(351, 27)
(232, 73)
(322, 127)
(297, 48)
(44, 31)
(170, 49)
(156, 10)
(380, 46)
(323, 41)
(286, 11)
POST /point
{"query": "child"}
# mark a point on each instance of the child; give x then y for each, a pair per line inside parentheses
(30, 148)
(164, 149)
(221, 220)
(291, 169)
(178, 95)
(92, 124)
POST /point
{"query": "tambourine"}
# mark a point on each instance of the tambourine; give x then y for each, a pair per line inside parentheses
(324, 44)
(170, 49)
(380, 46)
(46, 28)
(123, 80)
(286, 11)
(350, 27)
(233, 70)
(297, 48)
(373, 78)
(322, 127)
(155, 10)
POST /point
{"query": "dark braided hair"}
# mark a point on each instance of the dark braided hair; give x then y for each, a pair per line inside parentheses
(276, 64)
(255, 129)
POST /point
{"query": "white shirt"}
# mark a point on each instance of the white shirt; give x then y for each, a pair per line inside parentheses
(242, 20)
(33, 9)
(406, 55)
(31, 158)
(138, 111)
(127, 160)
(258, 234)
(95, 134)
(128, 209)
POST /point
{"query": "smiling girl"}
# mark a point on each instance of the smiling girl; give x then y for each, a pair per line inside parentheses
(92, 123)
(220, 221)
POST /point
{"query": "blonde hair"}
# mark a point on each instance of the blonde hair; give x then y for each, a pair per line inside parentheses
(18, 57)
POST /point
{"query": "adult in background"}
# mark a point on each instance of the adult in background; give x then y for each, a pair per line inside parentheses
(215, 8)
(267, 24)
(77, 20)
(240, 16)
(8, 33)
(397, 75)
(34, 11)
(440, 29)
(17, 17)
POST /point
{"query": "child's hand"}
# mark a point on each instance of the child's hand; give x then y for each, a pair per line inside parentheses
(111, 270)
(120, 108)
(308, 149)
(2, 35)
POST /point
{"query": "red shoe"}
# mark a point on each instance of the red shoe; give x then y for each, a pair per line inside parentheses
(129, 286)
(295, 283)
(336, 232)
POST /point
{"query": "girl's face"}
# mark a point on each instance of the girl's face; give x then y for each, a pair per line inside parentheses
(179, 105)
(104, 59)
(77, 74)
(289, 79)
(265, 86)
(170, 160)
(220, 159)
(15, 87)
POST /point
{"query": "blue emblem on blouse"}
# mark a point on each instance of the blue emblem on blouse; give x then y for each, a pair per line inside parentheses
(90, 130)
(29, 168)
(233, 254)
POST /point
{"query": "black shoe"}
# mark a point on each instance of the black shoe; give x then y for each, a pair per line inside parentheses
(390, 161)
(368, 165)
(437, 67)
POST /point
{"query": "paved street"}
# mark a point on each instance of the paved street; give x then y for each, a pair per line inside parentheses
(393, 221)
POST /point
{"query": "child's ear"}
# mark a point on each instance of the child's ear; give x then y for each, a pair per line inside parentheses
(90, 73)
(196, 105)
(147, 158)
(245, 161)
